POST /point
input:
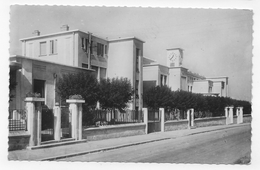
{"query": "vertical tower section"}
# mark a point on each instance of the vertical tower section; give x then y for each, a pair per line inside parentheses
(174, 57)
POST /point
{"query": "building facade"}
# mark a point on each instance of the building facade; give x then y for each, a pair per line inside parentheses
(177, 77)
(79, 50)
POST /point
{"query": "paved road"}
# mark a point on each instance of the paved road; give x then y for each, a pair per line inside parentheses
(223, 146)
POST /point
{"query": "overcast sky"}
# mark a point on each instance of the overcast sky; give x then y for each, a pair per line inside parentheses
(216, 42)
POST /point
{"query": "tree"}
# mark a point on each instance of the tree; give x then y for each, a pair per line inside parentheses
(114, 93)
(81, 83)
(158, 97)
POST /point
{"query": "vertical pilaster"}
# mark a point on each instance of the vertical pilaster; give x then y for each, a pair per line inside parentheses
(145, 112)
(162, 115)
(75, 107)
(34, 119)
(192, 117)
(227, 115)
(231, 114)
(57, 121)
(241, 114)
(80, 122)
(38, 110)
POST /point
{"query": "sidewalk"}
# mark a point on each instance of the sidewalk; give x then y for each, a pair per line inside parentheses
(63, 151)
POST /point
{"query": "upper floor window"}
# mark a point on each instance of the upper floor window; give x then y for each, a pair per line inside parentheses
(53, 47)
(137, 59)
(84, 44)
(100, 49)
(105, 49)
(43, 48)
(91, 47)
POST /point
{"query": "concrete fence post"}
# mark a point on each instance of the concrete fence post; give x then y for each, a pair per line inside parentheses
(190, 118)
(145, 112)
(34, 119)
(231, 114)
(75, 107)
(57, 121)
(239, 113)
(162, 115)
(227, 115)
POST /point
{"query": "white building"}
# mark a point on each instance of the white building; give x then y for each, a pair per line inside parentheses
(46, 57)
(177, 77)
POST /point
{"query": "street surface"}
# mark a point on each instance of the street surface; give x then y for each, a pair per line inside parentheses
(217, 147)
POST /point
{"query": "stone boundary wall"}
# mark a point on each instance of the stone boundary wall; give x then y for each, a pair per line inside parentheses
(114, 131)
(175, 125)
(212, 121)
(247, 118)
(18, 140)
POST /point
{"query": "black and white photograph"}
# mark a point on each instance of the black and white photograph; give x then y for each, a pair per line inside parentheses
(130, 84)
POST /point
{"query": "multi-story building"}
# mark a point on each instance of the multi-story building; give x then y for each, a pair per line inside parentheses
(177, 77)
(59, 52)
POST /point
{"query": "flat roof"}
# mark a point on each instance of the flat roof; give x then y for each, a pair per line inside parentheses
(154, 64)
(125, 39)
(29, 58)
(175, 49)
(60, 33)
(217, 77)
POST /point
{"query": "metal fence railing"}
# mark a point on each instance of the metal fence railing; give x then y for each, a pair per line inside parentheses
(105, 117)
(17, 120)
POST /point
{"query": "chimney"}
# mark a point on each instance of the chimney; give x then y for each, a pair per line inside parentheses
(36, 33)
(64, 28)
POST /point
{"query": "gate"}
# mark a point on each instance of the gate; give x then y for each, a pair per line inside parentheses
(47, 132)
(154, 121)
(65, 122)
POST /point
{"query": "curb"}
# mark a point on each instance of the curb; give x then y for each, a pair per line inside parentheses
(130, 144)
(57, 144)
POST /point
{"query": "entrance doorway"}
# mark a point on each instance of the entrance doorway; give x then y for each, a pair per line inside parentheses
(39, 87)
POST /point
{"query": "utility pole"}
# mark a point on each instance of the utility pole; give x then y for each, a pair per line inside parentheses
(89, 50)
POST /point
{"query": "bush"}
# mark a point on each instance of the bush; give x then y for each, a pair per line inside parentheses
(77, 86)
(163, 97)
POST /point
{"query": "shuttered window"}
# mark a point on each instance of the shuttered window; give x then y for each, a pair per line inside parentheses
(43, 48)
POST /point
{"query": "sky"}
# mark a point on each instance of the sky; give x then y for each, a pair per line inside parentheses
(216, 42)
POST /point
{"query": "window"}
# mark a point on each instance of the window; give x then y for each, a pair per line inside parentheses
(165, 80)
(161, 80)
(43, 48)
(136, 87)
(137, 59)
(53, 47)
(84, 44)
(100, 49)
(190, 88)
(105, 49)
(84, 65)
(91, 47)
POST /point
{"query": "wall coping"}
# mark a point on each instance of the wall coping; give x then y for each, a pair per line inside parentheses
(18, 133)
(34, 99)
(171, 121)
(75, 101)
(247, 115)
(207, 118)
(115, 126)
